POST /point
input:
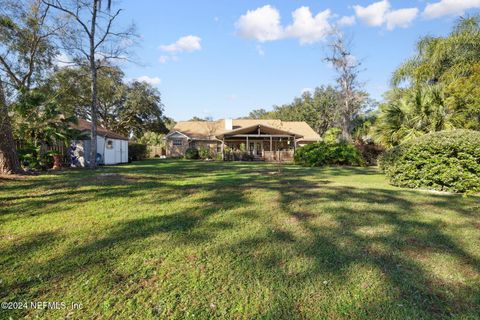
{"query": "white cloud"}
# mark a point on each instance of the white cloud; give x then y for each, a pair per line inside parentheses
(187, 43)
(260, 50)
(262, 24)
(379, 14)
(346, 21)
(150, 80)
(449, 7)
(306, 28)
(163, 59)
(401, 18)
(374, 14)
(184, 44)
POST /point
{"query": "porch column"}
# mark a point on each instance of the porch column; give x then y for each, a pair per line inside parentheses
(248, 146)
(223, 149)
(271, 144)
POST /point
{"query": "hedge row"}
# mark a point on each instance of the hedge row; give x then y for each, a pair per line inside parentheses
(321, 154)
(445, 160)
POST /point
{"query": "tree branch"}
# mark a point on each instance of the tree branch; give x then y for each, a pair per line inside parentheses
(107, 31)
(58, 6)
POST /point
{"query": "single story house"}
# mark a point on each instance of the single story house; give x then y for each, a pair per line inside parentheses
(269, 140)
(112, 148)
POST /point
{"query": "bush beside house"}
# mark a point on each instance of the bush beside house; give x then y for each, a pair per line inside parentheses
(446, 161)
(321, 154)
(137, 151)
(192, 153)
(204, 153)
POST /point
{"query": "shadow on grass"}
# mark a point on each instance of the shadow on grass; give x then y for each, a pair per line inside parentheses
(335, 247)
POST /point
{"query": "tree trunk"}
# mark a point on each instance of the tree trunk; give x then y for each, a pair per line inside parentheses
(9, 162)
(93, 71)
(346, 122)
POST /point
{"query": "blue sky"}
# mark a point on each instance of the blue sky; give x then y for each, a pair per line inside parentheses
(226, 58)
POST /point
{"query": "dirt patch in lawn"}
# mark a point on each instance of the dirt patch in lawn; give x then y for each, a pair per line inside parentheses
(15, 177)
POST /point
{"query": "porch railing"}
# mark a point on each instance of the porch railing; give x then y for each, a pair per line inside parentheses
(282, 156)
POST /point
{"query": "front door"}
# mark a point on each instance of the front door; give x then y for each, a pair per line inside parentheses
(258, 149)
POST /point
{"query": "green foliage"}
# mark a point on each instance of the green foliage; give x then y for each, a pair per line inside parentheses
(363, 124)
(195, 118)
(142, 111)
(192, 153)
(447, 161)
(127, 108)
(441, 59)
(204, 153)
(30, 157)
(322, 154)
(442, 87)
(258, 114)
(410, 113)
(319, 109)
(463, 98)
(38, 126)
(152, 139)
(240, 154)
(332, 135)
(26, 42)
(369, 151)
(137, 151)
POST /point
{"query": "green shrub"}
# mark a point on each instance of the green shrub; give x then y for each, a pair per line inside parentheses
(204, 153)
(445, 160)
(370, 152)
(137, 151)
(332, 135)
(192, 153)
(321, 154)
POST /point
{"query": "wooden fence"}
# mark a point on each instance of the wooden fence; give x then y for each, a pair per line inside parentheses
(60, 147)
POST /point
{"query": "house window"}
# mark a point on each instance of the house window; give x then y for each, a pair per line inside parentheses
(109, 144)
(177, 142)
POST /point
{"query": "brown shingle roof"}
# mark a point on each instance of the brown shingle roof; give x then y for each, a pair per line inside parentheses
(210, 129)
(84, 125)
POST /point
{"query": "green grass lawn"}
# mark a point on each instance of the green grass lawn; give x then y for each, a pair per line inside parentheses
(192, 239)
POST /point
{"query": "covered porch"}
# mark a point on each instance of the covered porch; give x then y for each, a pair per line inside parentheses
(260, 142)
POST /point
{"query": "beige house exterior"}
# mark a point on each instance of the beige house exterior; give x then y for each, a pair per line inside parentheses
(269, 140)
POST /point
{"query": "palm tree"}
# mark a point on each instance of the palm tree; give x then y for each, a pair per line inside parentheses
(415, 113)
(444, 58)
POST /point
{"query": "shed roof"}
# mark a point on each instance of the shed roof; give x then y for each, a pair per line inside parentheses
(84, 125)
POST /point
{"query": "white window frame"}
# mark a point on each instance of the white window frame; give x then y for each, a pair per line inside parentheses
(177, 142)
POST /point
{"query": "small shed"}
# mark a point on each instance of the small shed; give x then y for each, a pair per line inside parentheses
(112, 148)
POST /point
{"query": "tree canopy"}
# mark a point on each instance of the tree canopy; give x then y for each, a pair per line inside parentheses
(319, 109)
(437, 89)
(130, 108)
